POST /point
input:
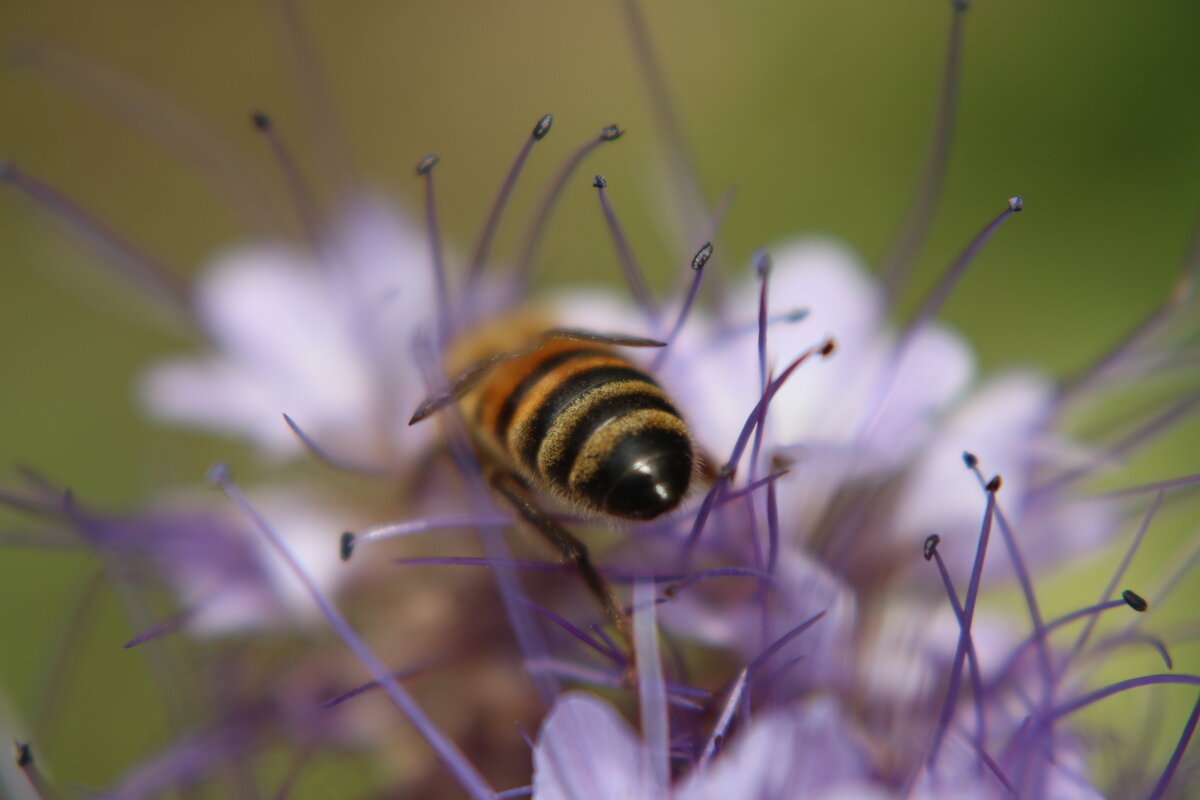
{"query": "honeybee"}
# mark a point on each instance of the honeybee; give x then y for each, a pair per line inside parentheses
(563, 412)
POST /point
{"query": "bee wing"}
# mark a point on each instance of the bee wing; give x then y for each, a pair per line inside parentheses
(469, 378)
(614, 339)
(464, 382)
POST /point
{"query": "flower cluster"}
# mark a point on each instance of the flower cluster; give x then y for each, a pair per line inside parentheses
(806, 624)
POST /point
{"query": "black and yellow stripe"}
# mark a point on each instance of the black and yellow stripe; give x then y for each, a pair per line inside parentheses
(584, 422)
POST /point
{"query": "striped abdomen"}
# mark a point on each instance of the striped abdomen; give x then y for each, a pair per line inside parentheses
(589, 425)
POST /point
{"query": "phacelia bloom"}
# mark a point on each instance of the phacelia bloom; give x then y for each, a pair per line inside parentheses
(804, 621)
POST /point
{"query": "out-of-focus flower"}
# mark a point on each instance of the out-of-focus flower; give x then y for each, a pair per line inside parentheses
(820, 643)
(321, 336)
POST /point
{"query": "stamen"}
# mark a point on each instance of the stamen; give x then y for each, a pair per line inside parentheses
(1092, 613)
(1105, 692)
(968, 616)
(652, 691)
(399, 675)
(477, 561)
(63, 656)
(445, 314)
(779, 643)
(422, 526)
(447, 752)
(1139, 437)
(302, 197)
(329, 459)
(135, 267)
(319, 112)
(937, 296)
(1023, 578)
(1135, 601)
(931, 553)
(898, 264)
(611, 653)
(160, 118)
(750, 488)
(698, 262)
(533, 239)
(1118, 573)
(161, 629)
(722, 724)
(519, 791)
(772, 528)
(678, 695)
(1116, 363)
(633, 272)
(739, 447)
(678, 586)
(1181, 746)
(23, 756)
(931, 543)
(762, 268)
(1172, 483)
(479, 256)
(680, 165)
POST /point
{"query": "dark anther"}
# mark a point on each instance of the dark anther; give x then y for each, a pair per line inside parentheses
(599, 182)
(702, 256)
(970, 459)
(346, 547)
(543, 127)
(611, 133)
(994, 484)
(931, 545)
(1016, 202)
(828, 348)
(261, 121)
(1134, 600)
(427, 163)
(24, 754)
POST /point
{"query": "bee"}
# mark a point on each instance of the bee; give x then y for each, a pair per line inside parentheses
(571, 415)
(563, 412)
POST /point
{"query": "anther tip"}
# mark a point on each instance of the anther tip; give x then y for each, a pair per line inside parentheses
(994, 484)
(346, 545)
(1134, 600)
(970, 459)
(218, 474)
(1016, 203)
(762, 262)
(611, 133)
(543, 127)
(24, 754)
(427, 163)
(261, 120)
(931, 544)
(828, 348)
(702, 256)
(599, 182)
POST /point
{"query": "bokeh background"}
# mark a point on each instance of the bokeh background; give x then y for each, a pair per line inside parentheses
(818, 112)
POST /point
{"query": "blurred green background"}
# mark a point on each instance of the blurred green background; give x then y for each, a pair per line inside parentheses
(818, 112)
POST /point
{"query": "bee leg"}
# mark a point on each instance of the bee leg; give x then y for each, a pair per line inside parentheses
(570, 548)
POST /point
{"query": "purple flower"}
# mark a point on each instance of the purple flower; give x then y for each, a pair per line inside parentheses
(807, 623)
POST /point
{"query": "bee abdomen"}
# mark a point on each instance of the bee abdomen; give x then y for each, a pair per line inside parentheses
(592, 427)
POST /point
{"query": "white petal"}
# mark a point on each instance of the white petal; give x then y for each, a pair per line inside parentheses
(585, 751)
